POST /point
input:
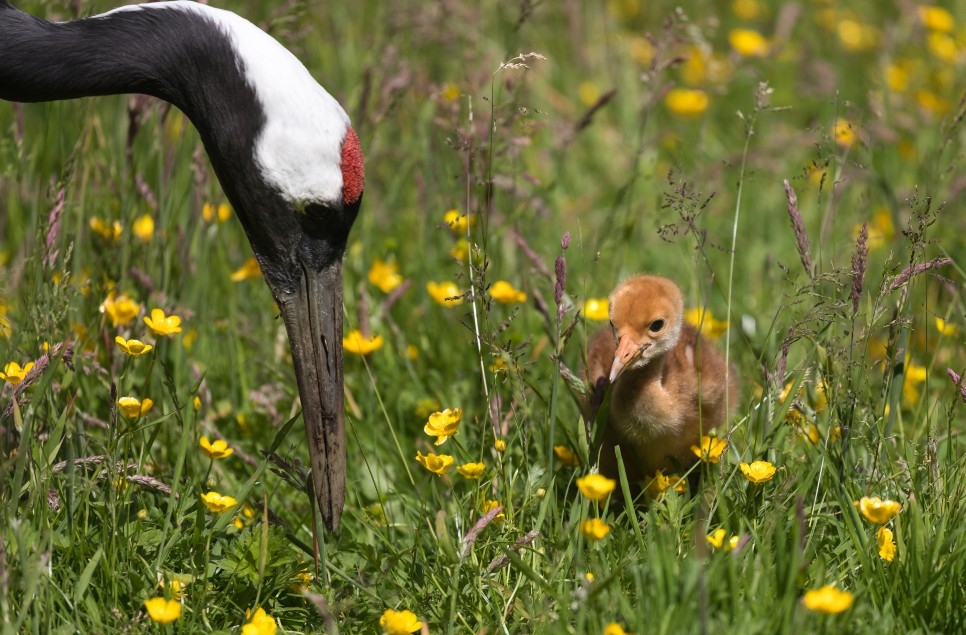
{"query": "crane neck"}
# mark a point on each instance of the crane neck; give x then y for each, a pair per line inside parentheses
(164, 52)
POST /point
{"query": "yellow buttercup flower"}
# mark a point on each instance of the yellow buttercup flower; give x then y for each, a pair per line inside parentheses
(897, 77)
(828, 600)
(471, 470)
(244, 517)
(881, 229)
(111, 232)
(716, 538)
(399, 622)
(915, 375)
(505, 293)
(747, 9)
(932, 103)
(189, 338)
(357, 344)
(748, 42)
(443, 425)
(660, 484)
(216, 503)
(844, 133)
(13, 373)
(458, 222)
(596, 487)
(943, 47)
(491, 504)
(132, 407)
(6, 329)
(686, 102)
(710, 449)
(757, 471)
(134, 348)
(438, 464)
(588, 93)
(162, 324)
(614, 629)
(945, 328)
(174, 126)
(642, 50)
(163, 611)
(704, 320)
(445, 293)
(385, 275)
(450, 92)
(887, 544)
(624, 10)
(217, 450)
(567, 456)
(177, 586)
(820, 401)
(211, 213)
(143, 228)
(936, 18)
(499, 445)
(783, 395)
(594, 529)
(694, 71)
(596, 309)
(808, 430)
(259, 623)
(856, 36)
(877, 510)
(460, 250)
(250, 269)
(120, 309)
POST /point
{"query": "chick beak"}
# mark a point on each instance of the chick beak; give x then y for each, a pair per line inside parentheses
(627, 351)
(313, 319)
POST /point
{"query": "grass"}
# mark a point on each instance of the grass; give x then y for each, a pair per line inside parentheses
(843, 366)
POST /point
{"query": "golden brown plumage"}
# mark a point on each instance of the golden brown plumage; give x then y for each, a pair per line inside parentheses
(669, 385)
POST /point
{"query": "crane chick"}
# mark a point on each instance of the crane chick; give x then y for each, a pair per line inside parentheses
(669, 384)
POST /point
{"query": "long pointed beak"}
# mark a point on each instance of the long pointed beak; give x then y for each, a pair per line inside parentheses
(313, 319)
(627, 351)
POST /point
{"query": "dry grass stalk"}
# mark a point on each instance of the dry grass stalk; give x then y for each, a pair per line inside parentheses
(859, 259)
(798, 227)
(53, 230)
(520, 61)
(914, 270)
(958, 380)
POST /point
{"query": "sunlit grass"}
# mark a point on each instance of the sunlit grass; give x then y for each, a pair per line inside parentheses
(119, 517)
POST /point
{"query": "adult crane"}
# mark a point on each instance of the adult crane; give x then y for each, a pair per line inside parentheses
(283, 149)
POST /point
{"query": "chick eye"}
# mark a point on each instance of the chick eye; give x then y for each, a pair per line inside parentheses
(656, 326)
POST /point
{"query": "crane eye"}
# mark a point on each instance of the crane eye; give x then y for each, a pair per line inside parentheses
(656, 326)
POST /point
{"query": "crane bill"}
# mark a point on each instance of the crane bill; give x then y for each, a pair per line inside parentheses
(627, 353)
(313, 319)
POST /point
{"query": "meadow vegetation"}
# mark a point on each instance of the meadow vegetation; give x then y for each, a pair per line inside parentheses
(796, 167)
